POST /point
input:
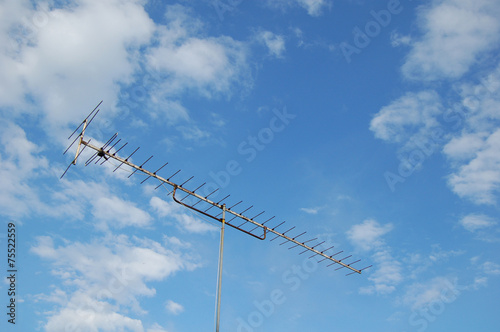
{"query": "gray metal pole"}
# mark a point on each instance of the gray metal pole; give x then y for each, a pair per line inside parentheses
(219, 279)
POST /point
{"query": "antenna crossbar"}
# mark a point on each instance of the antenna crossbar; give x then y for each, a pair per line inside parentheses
(293, 240)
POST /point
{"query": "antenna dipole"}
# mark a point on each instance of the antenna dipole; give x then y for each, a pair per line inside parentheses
(108, 152)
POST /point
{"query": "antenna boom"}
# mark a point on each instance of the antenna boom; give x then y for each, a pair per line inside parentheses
(176, 187)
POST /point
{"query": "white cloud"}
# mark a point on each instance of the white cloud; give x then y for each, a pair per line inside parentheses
(66, 56)
(171, 111)
(455, 34)
(110, 274)
(59, 57)
(193, 133)
(475, 222)
(275, 43)
(439, 289)
(131, 262)
(85, 313)
(314, 210)
(11, 86)
(479, 179)
(367, 235)
(479, 282)
(173, 307)
(491, 268)
(397, 39)
(410, 116)
(156, 328)
(474, 152)
(21, 164)
(438, 254)
(177, 212)
(119, 212)
(387, 275)
(107, 208)
(211, 66)
(480, 103)
(464, 147)
(313, 7)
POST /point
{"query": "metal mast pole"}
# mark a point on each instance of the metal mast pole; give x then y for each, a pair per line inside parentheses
(219, 279)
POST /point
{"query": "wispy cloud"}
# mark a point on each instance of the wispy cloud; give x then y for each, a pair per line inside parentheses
(387, 274)
(108, 209)
(93, 50)
(368, 236)
(474, 152)
(173, 307)
(455, 34)
(421, 294)
(210, 65)
(409, 117)
(274, 43)
(20, 164)
(109, 274)
(475, 222)
(479, 179)
(313, 7)
(184, 221)
(314, 210)
(61, 63)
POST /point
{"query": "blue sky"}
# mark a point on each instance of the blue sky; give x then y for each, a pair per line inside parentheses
(373, 126)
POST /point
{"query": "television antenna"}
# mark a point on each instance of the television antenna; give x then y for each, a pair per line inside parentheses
(109, 151)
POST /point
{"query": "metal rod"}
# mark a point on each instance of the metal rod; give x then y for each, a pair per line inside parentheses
(340, 260)
(231, 207)
(359, 270)
(159, 169)
(265, 222)
(72, 163)
(114, 144)
(85, 119)
(91, 159)
(347, 265)
(93, 116)
(124, 145)
(76, 139)
(287, 237)
(171, 176)
(219, 276)
(216, 218)
(294, 238)
(241, 213)
(126, 159)
(323, 252)
(158, 186)
(153, 174)
(303, 243)
(334, 262)
(211, 206)
(278, 225)
(183, 183)
(80, 143)
(135, 170)
(204, 183)
(109, 141)
(252, 218)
